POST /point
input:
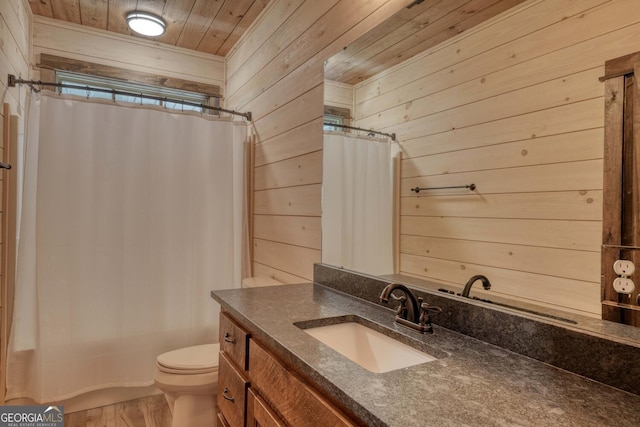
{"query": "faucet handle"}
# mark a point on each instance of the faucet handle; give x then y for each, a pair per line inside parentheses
(402, 308)
(430, 309)
(426, 312)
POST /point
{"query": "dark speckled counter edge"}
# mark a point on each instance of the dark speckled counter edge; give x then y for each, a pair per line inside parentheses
(610, 362)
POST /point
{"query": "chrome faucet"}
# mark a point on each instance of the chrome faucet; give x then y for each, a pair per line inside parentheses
(416, 314)
(467, 288)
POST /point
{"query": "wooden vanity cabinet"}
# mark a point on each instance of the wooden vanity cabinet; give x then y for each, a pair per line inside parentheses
(287, 394)
(222, 421)
(257, 389)
(259, 414)
(234, 341)
(232, 380)
(232, 392)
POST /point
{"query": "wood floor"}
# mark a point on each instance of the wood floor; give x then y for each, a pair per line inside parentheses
(151, 411)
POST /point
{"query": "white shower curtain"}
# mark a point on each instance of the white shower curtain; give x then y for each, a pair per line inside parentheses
(357, 204)
(130, 217)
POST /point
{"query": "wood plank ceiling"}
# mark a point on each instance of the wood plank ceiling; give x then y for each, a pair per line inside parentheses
(414, 29)
(214, 26)
(210, 26)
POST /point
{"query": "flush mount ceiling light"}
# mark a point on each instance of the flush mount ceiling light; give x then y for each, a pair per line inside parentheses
(145, 23)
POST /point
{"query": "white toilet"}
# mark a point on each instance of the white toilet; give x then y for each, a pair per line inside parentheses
(188, 377)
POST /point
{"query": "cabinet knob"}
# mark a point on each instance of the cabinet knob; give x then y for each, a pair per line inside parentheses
(226, 395)
(228, 338)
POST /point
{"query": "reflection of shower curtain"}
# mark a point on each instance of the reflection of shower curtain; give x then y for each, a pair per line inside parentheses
(130, 217)
(357, 204)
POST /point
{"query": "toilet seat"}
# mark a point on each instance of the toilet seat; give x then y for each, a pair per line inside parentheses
(199, 359)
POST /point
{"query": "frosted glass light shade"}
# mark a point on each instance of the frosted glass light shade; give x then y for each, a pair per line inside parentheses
(145, 24)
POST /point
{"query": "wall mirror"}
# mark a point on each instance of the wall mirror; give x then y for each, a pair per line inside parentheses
(436, 76)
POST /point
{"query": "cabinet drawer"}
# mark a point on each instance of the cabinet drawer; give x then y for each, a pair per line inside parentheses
(232, 388)
(259, 414)
(233, 341)
(293, 400)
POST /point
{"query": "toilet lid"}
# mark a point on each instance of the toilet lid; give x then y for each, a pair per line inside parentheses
(199, 357)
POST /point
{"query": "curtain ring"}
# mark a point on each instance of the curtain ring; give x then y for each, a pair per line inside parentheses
(33, 87)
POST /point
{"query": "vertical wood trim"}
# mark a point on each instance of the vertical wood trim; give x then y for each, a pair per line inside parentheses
(8, 255)
(4, 321)
(627, 171)
(251, 176)
(612, 185)
(11, 154)
(397, 173)
(633, 316)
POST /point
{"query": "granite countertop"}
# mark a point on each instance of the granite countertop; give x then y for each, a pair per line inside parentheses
(473, 383)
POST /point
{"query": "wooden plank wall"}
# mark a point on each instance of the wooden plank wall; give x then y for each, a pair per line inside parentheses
(276, 72)
(83, 43)
(15, 37)
(15, 40)
(514, 106)
(338, 94)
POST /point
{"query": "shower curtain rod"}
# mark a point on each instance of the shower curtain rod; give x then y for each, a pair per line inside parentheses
(390, 135)
(13, 81)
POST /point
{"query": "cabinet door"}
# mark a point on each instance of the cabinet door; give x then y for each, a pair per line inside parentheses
(234, 341)
(259, 414)
(232, 388)
(297, 403)
(222, 421)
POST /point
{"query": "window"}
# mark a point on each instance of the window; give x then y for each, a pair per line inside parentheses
(336, 116)
(104, 83)
(330, 120)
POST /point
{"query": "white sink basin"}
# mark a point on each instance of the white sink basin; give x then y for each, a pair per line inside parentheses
(370, 349)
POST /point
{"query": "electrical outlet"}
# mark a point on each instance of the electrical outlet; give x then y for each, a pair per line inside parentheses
(622, 285)
(622, 267)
